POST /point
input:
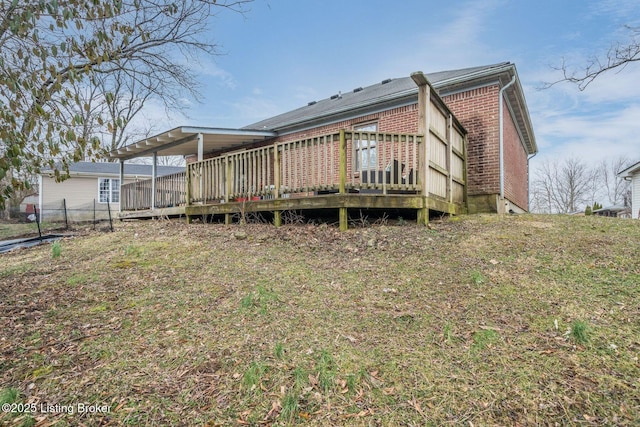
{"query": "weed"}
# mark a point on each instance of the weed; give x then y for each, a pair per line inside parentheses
(326, 370)
(290, 406)
(300, 378)
(447, 333)
(580, 331)
(253, 375)
(292, 218)
(132, 250)
(56, 249)
(477, 278)
(278, 351)
(248, 301)
(484, 338)
(9, 395)
(401, 221)
(260, 298)
(361, 221)
(352, 382)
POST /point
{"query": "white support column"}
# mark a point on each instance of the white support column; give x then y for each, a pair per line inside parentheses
(154, 175)
(120, 182)
(201, 158)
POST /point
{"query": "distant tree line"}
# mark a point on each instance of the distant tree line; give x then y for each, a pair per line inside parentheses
(572, 185)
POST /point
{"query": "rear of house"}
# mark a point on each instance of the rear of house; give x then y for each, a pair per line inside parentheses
(458, 141)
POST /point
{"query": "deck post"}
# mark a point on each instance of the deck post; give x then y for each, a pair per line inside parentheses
(449, 156)
(424, 98)
(188, 191)
(227, 188)
(277, 215)
(154, 177)
(121, 181)
(342, 211)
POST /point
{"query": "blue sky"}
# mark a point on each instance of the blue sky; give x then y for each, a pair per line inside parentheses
(284, 53)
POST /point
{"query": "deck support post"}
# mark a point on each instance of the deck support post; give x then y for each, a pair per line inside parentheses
(277, 215)
(449, 156)
(342, 212)
(227, 187)
(424, 108)
(120, 182)
(154, 177)
(188, 192)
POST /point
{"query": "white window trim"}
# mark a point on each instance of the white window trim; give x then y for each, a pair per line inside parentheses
(361, 148)
(113, 188)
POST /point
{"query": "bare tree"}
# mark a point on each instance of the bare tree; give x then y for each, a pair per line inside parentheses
(618, 56)
(50, 49)
(615, 189)
(563, 187)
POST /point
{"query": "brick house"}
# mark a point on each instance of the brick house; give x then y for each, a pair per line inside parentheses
(457, 140)
(488, 101)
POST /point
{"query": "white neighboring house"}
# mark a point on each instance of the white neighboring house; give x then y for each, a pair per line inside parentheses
(90, 189)
(632, 173)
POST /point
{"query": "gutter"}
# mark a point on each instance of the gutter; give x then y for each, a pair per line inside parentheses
(501, 121)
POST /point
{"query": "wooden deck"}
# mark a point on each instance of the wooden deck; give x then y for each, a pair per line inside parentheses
(348, 202)
(341, 170)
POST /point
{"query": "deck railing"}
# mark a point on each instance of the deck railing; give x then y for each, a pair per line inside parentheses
(170, 190)
(343, 161)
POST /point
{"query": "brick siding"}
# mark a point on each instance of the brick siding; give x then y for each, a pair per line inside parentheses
(478, 111)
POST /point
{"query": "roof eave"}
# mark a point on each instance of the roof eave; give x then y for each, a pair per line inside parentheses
(501, 74)
(630, 171)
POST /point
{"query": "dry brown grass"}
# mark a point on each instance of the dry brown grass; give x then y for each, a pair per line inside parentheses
(466, 323)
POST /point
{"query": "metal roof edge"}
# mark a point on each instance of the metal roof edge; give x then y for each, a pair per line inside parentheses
(626, 173)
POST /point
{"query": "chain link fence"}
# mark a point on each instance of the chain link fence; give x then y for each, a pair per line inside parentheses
(32, 220)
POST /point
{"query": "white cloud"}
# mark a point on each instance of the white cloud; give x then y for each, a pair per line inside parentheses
(209, 70)
(591, 137)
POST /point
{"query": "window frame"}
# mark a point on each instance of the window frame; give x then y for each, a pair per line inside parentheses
(112, 193)
(366, 146)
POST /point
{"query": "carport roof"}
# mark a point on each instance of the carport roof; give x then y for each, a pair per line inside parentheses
(183, 140)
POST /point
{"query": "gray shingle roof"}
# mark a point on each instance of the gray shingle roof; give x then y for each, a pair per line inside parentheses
(114, 169)
(378, 93)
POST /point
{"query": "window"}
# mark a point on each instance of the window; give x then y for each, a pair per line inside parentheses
(108, 190)
(366, 151)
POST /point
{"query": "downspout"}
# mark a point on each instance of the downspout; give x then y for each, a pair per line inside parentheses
(529, 180)
(501, 120)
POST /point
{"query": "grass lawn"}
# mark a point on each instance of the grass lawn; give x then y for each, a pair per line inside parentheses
(477, 320)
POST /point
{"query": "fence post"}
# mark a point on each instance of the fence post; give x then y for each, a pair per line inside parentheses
(94, 214)
(109, 210)
(66, 219)
(38, 221)
(342, 211)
